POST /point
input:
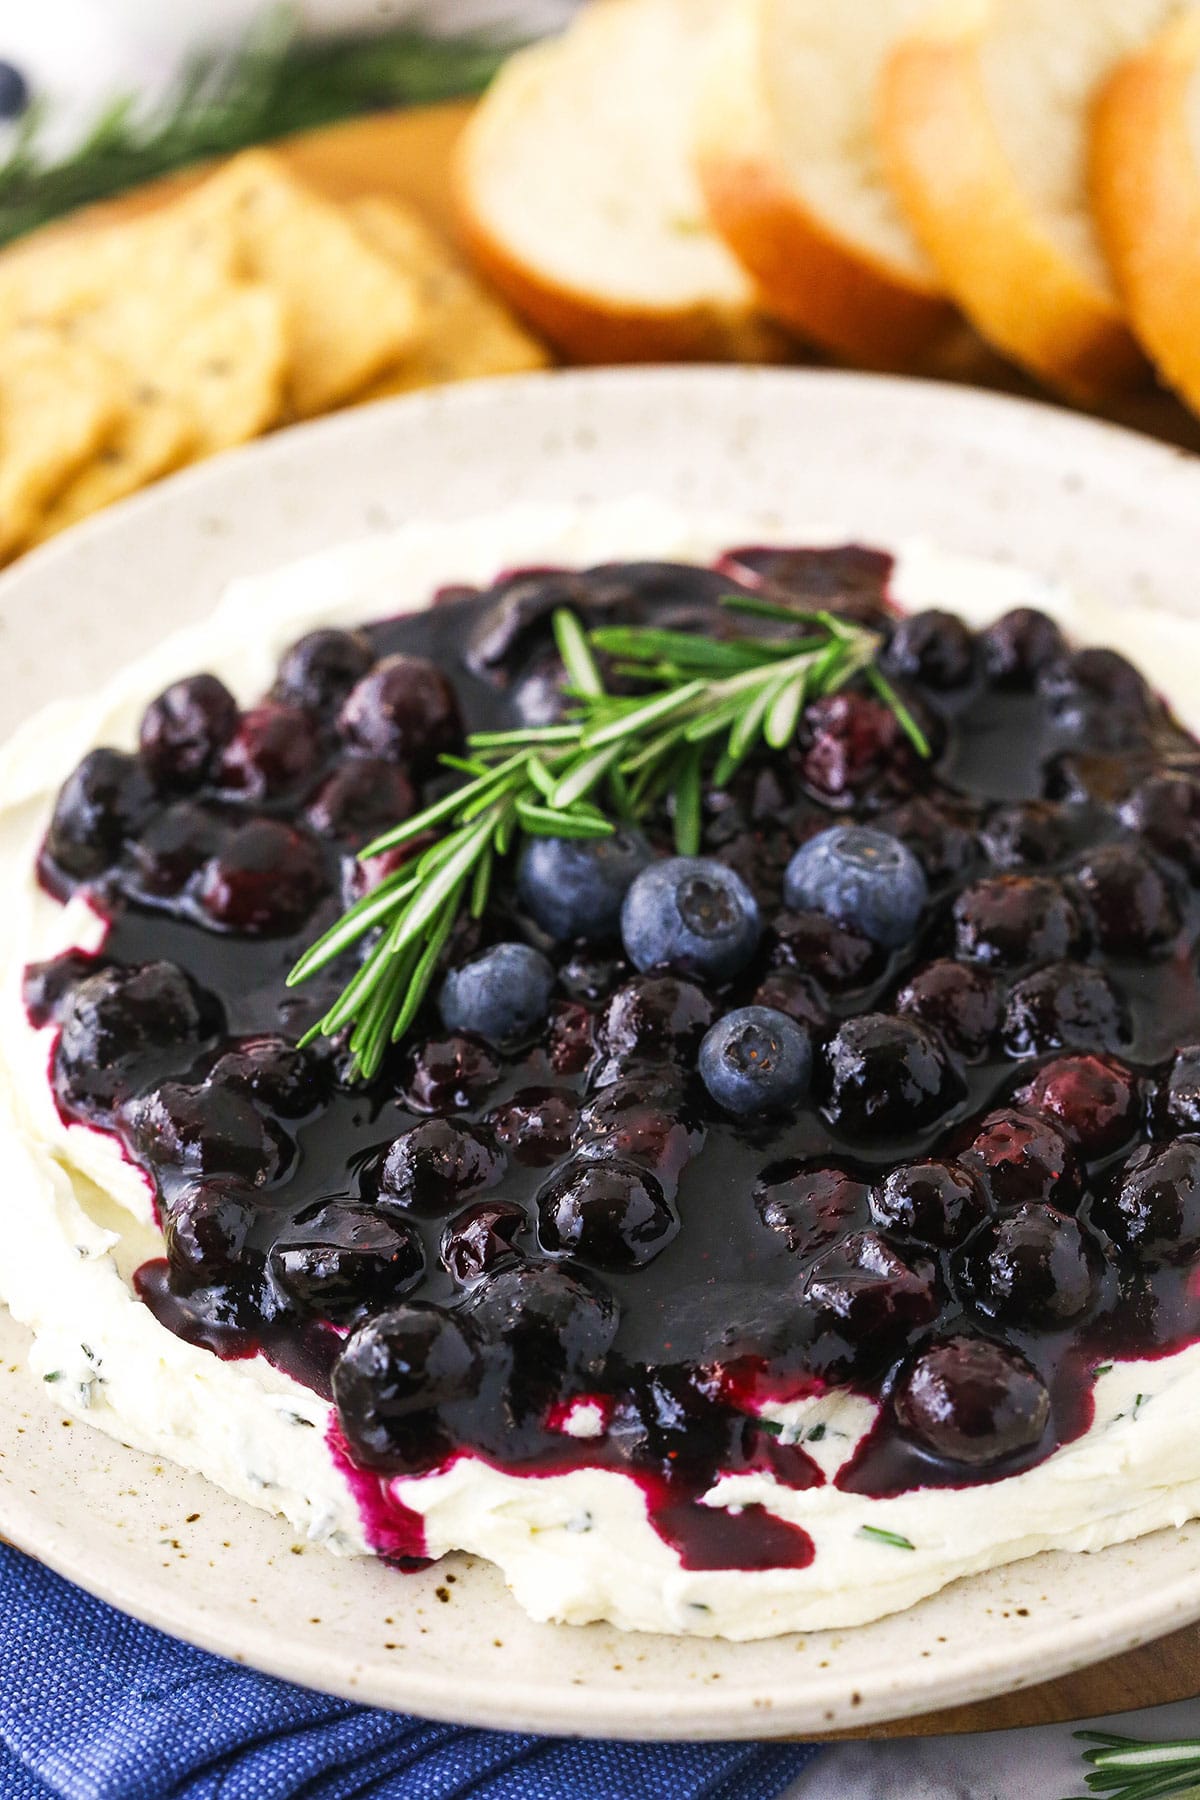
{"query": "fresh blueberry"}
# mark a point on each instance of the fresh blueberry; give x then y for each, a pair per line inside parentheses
(504, 995)
(573, 887)
(755, 1060)
(861, 877)
(691, 915)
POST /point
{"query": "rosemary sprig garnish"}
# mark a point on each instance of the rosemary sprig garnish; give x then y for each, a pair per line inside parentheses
(709, 704)
(1129, 1769)
(883, 1536)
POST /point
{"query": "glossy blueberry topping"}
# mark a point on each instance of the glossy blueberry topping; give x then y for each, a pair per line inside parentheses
(185, 730)
(972, 1401)
(404, 709)
(887, 1077)
(320, 669)
(934, 1202)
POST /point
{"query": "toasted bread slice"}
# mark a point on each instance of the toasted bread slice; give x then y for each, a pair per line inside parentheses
(786, 155)
(1146, 196)
(578, 198)
(984, 120)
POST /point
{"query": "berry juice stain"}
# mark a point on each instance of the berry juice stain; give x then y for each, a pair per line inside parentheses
(575, 1218)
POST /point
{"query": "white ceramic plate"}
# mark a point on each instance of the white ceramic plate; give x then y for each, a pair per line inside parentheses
(1112, 514)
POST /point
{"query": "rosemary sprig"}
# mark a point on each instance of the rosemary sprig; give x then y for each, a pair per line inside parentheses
(1130, 1769)
(710, 703)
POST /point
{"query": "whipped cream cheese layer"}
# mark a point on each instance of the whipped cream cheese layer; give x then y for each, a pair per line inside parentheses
(578, 1546)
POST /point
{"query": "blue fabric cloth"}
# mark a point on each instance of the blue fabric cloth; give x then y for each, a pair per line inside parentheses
(94, 1706)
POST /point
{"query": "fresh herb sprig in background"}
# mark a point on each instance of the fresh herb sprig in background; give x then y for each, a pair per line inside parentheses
(710, 703)
(1126, 1768)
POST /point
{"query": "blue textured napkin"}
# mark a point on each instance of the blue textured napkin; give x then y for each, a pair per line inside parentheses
(94, 1706)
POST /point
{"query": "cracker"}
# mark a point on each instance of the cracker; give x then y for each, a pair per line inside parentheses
(350, 313)
(468, 332)
(59, 401)
(154, 438)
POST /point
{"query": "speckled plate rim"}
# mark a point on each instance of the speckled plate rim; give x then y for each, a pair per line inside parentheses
(1110, 512)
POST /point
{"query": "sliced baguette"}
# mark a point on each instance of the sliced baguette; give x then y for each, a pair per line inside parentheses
(786, 155)
(984, 119)
(1146, 194)
(578, 199)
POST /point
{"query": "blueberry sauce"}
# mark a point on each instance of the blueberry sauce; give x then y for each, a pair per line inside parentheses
(988, 1190)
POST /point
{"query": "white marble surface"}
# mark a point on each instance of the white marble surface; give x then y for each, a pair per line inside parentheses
(1041, 1764)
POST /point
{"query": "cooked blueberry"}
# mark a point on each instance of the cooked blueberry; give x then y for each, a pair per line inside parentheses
(1152, 1205)
(574, 887)
(266, 881)
(319, 671)
(810, 1205)
(535, 1124)
(362, 798)
(502, 995)
(933, 648)
(102, 804)
(612, 1213)
(592, 975)
(756, 1061)
(1096, 698)
(1095, 777)
(836, 956)
(400, 1365)
(405, 709)
(273, 752)
(788, 991)
(1032, 1267)
(972, 1402)
(663, 1419)
(481, 1239)
(1030, 834)
(120, 1026)
(336, 1259)
(691, 915)
(203, 1131)
(1093, 1099)
(557, 1325)
(1166, 811)
(936, 1202)
(864, 878)
(185, 730)
(1022, 1157)
(866, 1297)
(1132, 908)
(173, 847)
(449, 1074)
(847, 579)
(942, 844)
(1018, 646)
(960, 1002)
(654, 1018)
(1012, 921)
(1181, 1092)
(853, 743)
(285, 1080)
(1067, 1006)
(642, 1119)
(434, 1166)
(570, 1036)
(888, 1076)
(45, 986)
(204, 1229)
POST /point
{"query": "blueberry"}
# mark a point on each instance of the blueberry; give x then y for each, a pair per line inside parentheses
(641, 1119)
(265, 882)
(203, 1131)
(175, 845)
(943, 845)
(555, 1326)
(433, 1166)
(46, 986)
(1181, 1095)
(1022, 1157)
(319, 671)
(361, 798)
(14, 92)
(691, 915)
(1133, 910)
(838, 957)
(863, 878)
(449, 1074)
(788, 991)
(933, 648)
(204, 1229)
(503, 995)
(935, 1202)
(185, 730)
(866, 1296)
(1014, 921)
(102, 804)
(612, 1214)
(481, 1239)
(399, 1366)
(404, 710)
(334, 1259)
(855, 744)
(971, 1401)
(888, 1076)
(960, 1002)
(1066, 1006)
(653, 1018)
(1029, 835)
(1166, 810)
(1032, 1267)
(810, 1206)
(1094, 1100)
(286, 1081)
(535, 1124)
(1018, 646)
(756, 1061)
(1152, 1206)
(574, 887)
(273, 752)
(120, 1026)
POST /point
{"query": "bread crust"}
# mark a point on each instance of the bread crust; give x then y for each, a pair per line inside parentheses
(1146, 197)
(586, 325)
(829, 287)
(948, 168)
